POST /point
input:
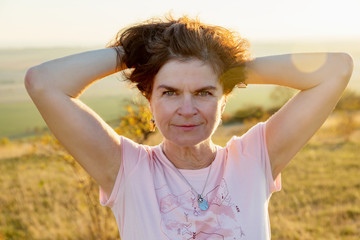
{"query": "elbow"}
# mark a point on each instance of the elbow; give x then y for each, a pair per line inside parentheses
(339, 70)
(346, 64)
(33, 80)
(29, 79)
(350, 62)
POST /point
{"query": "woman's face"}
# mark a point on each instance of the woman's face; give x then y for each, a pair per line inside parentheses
(187, 101)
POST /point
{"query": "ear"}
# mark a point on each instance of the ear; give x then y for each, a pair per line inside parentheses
(150, 106)
(223, 105)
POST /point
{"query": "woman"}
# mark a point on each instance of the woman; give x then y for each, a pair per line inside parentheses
(187, 187)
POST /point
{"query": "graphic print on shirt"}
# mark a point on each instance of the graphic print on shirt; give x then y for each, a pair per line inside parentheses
(183, 219)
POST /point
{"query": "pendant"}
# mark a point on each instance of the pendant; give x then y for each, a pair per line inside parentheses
(203, 204)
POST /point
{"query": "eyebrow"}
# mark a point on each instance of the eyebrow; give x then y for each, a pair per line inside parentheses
(166, 87)
(175, 89)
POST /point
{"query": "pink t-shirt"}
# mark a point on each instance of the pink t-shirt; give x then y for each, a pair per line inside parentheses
(151, 200)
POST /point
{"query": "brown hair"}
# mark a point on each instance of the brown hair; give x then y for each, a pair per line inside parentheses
(148, 46)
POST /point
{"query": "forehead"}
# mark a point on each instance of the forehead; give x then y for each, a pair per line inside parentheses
(192, 73)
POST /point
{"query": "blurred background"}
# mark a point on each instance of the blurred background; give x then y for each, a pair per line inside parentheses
(46, 195)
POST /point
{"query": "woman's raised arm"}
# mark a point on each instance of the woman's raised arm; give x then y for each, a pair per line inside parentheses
(321, 79)
(54, 87)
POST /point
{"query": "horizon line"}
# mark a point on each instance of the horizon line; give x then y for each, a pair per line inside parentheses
(255, 41)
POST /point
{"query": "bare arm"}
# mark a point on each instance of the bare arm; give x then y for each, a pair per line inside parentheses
(54, 87)
(321, 79)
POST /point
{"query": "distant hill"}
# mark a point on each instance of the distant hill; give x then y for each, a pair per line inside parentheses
(18, 115)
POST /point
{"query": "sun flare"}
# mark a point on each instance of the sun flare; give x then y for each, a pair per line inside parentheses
(308, 65)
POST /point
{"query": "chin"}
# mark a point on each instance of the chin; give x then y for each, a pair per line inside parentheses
(188, 141)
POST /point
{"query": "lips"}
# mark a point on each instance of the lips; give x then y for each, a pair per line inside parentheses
(186, 127)
(186, 124)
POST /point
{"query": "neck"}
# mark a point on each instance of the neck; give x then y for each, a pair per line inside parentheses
(190, 157)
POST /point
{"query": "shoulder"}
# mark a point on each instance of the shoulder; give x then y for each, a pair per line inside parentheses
(131, 147)
(253, 138)
(249, 155)
(132, 153)
(250, 147)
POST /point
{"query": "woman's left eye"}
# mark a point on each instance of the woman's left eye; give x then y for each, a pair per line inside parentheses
(204, 93)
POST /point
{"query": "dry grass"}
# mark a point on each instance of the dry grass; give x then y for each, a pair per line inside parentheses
(320, 198)
(46, 196)
(11, 150)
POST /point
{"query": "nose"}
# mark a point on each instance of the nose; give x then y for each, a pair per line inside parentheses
(187, 106)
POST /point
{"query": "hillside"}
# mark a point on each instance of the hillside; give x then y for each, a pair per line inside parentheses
(19, 117)
(46, 195)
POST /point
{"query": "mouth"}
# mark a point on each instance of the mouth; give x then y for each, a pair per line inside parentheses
(187, 127)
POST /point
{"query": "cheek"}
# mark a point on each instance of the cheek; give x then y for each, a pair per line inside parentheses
(212, 110)
(161, 112)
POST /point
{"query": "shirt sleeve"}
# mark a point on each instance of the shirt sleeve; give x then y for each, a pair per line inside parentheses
(253, 146)
(274, 184)
(131, 154)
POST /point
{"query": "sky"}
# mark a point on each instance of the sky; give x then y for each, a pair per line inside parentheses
(48, 23)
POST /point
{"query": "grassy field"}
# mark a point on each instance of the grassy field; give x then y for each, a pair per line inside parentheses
(320, 198)
(45, 195)
(18, 117)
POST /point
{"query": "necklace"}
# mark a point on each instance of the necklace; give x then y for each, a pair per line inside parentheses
(203, 204)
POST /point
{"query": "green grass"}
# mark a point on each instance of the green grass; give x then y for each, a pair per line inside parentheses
(250, 96)
(20, 119)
